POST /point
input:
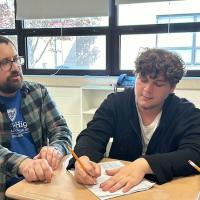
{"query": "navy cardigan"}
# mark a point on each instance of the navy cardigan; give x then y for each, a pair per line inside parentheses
(174, 142)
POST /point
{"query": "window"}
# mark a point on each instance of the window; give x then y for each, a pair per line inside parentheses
(168, 24)
(7, 20)
(147, 13)
(131, 44)
(67, 23)
(105, 45)
(67, 52)
(77, 44)
(7, 17)
(185, 44)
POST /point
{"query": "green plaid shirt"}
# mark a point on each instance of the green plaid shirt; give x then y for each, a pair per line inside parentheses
(45, 124)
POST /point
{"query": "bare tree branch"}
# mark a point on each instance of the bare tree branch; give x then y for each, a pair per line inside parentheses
(48, 42)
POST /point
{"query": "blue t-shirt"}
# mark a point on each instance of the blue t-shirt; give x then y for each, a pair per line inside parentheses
(22, 141)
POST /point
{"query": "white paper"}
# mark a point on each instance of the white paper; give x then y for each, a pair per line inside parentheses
(144, 185)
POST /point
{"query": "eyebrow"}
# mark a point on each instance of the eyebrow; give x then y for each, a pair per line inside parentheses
(8, 58)
(160, 80)
(154, 79)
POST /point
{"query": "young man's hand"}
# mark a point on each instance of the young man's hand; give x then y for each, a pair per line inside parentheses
(127, 176)
(90, 175)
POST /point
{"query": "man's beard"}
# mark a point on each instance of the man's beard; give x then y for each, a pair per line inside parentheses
(10, 86)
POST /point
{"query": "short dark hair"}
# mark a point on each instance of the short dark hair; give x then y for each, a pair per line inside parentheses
(160, 61)
(6, 40)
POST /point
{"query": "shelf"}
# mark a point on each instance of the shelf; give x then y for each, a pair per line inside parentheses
(90, 111)
(92, 97)
(98, 87)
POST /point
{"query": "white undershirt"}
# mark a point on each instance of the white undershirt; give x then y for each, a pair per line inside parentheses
(148, 131)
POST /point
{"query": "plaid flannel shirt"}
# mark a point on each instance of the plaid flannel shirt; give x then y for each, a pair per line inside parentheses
(45, 124)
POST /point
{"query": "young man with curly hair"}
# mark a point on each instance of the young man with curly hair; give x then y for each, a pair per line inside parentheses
(150, 126)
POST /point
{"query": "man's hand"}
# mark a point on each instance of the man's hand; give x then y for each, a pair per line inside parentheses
(35, 170)
(89, 177)
(127, 176)
(52, 155)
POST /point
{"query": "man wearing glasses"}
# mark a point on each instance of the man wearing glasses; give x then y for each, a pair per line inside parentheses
(33, 134)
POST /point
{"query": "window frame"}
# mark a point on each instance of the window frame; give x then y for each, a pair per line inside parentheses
(193, 47)
(66, 32)
(112, 32)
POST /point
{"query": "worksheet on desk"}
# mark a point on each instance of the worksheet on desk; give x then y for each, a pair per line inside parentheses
(144, 185)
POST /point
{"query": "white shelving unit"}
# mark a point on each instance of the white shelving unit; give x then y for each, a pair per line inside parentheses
(91, 98)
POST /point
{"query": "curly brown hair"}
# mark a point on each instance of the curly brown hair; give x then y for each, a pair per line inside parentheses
(160, 61)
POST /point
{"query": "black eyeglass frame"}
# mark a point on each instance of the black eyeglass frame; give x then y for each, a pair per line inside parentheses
(6, 64)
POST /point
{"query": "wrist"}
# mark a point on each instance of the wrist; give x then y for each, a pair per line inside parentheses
(145, 166)
(21, 166)
(60, 150)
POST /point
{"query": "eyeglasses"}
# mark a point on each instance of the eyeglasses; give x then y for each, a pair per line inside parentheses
(6, 64)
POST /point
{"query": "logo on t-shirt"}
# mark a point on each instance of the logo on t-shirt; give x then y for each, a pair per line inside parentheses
(12, 114)
(19, 126)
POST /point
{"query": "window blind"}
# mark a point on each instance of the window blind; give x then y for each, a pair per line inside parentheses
(139, 1)
(47, 9)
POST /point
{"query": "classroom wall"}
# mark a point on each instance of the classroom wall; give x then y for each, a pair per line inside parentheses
(66, 92)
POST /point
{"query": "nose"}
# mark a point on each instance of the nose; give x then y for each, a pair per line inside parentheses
(149, 87)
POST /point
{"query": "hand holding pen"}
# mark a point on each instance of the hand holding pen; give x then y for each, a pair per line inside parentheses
(86, 171)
